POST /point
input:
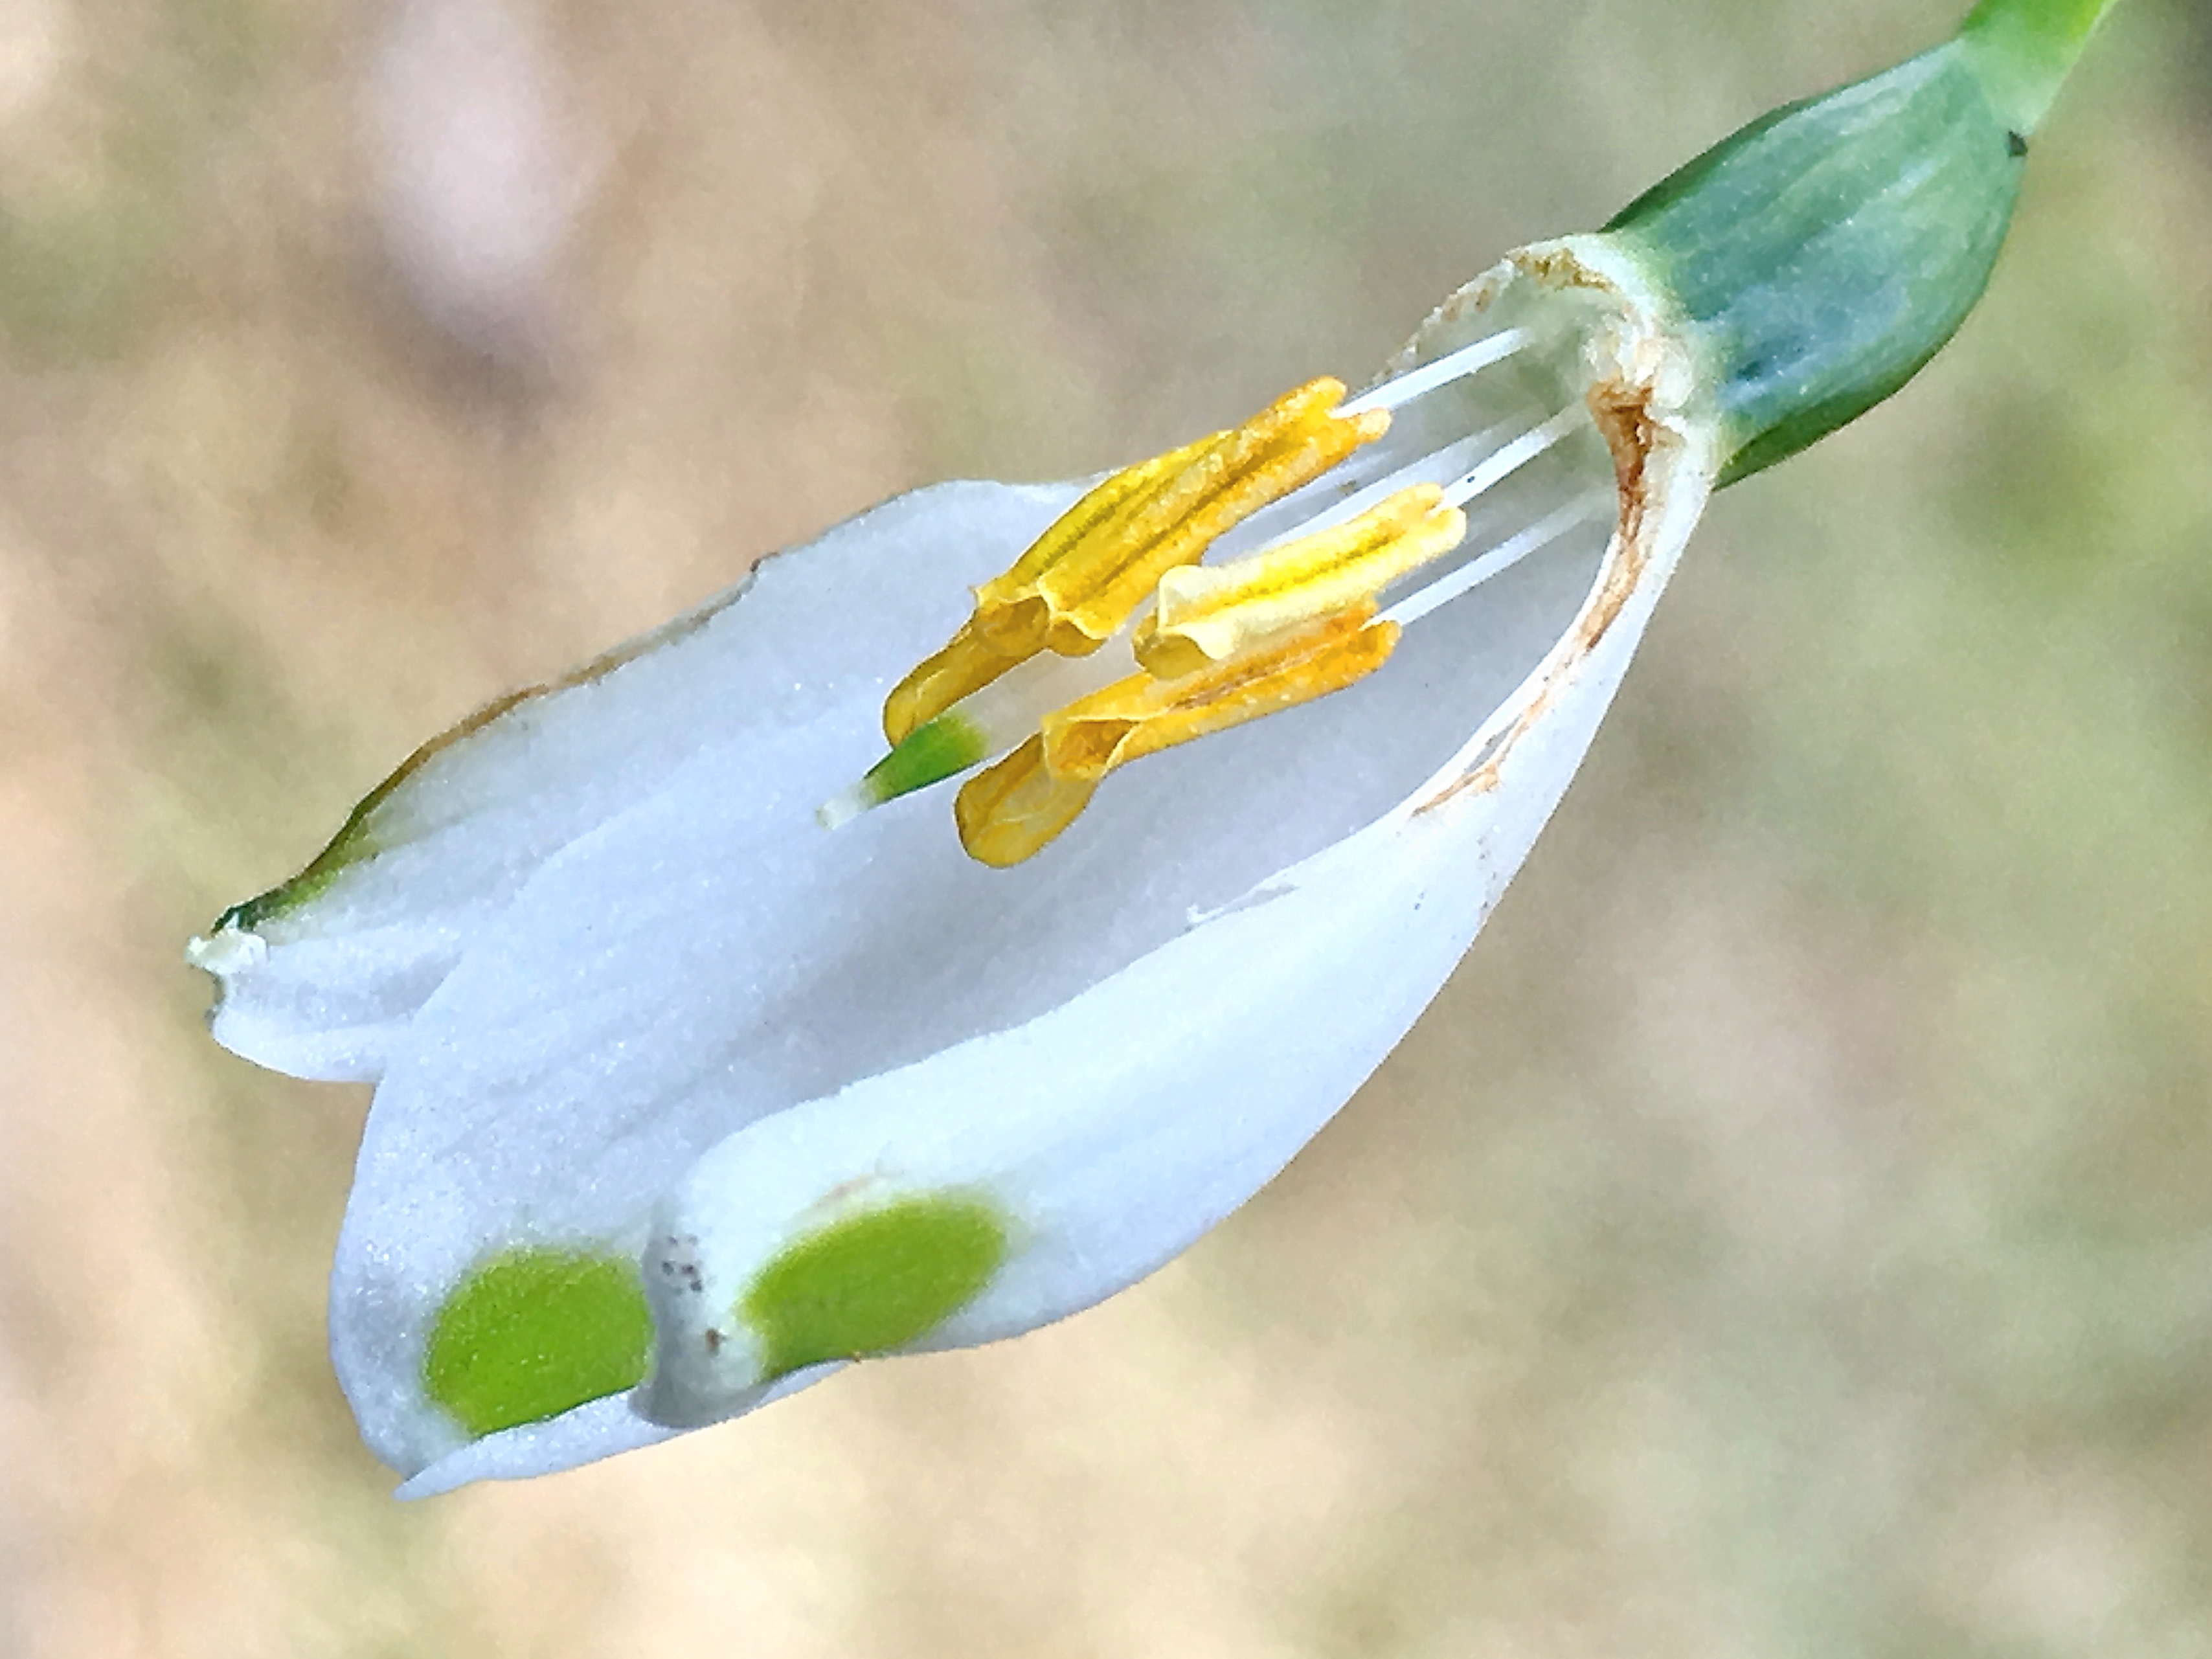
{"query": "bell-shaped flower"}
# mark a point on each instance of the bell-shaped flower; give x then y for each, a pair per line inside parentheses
(716, 1045)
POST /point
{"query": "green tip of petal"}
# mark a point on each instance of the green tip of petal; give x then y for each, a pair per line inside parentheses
(534, 1333)
(873, 1282)
(305, 888)
(353, 844)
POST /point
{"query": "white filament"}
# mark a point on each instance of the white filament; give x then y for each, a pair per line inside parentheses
(1516, 455)
(1498, 560)
(1452, 461)
(1453, 366)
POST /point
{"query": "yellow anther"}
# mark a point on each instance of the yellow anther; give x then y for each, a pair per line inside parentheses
(1081, 581)
(1014, 808)
(967, 663)
(1097, 586)
(1009, 809)
(1207, 614)
(1141, 715)
(1013, 612)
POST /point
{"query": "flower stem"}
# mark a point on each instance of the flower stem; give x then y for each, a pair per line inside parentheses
(2024, 49)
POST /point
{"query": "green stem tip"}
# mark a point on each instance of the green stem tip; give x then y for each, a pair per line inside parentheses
(2024, 49)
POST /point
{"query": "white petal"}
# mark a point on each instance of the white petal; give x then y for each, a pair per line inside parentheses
(709, 967)
(1113, 1131)
(590, 1432)
(318, 977)
(601, 1429)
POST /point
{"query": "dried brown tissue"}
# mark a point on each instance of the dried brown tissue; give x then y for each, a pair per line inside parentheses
(1622, 408)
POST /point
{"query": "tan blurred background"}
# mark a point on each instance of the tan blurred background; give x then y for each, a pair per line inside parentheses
(1790, 1234)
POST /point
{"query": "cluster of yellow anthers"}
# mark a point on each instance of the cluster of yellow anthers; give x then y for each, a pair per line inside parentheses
(1221, 645)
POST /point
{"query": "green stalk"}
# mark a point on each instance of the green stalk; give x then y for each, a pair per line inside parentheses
(1823, 254)
(2024, 49)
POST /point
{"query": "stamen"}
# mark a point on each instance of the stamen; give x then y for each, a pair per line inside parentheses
(1516, 455)
(966, 664)
(1010, 810)
(1205, 614)
(1453, 366)
(1208, 613)
(1010, 611)
(1141, 715)
(1085, 577)
(1096, 586)
(1497, 562)
(1025, 678)
(1303, 513)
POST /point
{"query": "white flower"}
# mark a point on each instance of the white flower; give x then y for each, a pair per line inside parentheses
(636, 1018)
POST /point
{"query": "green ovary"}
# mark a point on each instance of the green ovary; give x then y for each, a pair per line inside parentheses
(874, 1281)
(535, 1332)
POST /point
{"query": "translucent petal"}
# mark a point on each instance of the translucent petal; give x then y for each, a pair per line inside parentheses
(702, 1006)
(319, 977)
(1114, 1129)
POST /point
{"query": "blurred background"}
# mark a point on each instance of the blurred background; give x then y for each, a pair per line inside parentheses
(1790, 1233)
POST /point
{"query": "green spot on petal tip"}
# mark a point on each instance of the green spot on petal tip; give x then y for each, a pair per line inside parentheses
(535, 1332)
(873, 1282)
